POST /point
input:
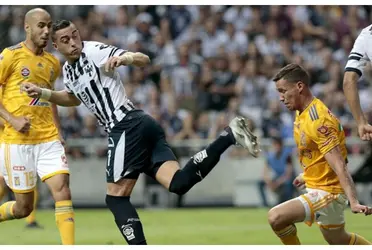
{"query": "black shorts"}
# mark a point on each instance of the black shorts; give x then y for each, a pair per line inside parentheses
(136, 145)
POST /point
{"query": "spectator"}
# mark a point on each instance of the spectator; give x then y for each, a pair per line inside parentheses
(278, 173)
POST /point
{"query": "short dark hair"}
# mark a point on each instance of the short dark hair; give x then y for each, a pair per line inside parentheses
(59, 25)
(293, 73)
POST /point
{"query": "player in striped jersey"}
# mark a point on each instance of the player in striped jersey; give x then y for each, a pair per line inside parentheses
(136, 142)
(360, 55)
(322, 153)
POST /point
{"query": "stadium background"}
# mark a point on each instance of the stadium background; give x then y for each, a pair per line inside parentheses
(209, 63)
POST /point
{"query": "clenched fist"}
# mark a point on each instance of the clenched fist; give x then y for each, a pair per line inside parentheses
(31, 90)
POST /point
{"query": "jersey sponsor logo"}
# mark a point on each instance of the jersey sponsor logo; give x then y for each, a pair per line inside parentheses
(328, 141)
(25, 72)
(37, 102)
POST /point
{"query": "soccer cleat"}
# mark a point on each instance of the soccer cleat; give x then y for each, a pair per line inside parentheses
(244, 136)
(34, 225)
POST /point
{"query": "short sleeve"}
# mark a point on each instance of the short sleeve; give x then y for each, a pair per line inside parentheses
(101, 52)
(325, 132)
(6, 67)
(66, 81)
(358, 57)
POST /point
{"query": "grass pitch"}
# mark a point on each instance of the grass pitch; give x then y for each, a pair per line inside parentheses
(232, 226)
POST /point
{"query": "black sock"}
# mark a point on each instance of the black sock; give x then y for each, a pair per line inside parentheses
(201, 164)
(126, 219)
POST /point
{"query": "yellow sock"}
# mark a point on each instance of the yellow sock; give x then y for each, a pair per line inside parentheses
(288, 235)
(6, 211)
(32, 218)
(358, 240)
(65, 222)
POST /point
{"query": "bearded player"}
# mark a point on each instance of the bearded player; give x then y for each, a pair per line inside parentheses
(322, 153)
(31, 144)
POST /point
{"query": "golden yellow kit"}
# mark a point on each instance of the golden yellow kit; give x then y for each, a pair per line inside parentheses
(316, 132)
(17, 65)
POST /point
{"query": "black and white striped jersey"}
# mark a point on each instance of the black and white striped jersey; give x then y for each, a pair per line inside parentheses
(103, 93)
(361, 53)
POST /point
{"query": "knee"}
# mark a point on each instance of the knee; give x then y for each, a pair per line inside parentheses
(180, 183)
(23, 210)
(275, 219)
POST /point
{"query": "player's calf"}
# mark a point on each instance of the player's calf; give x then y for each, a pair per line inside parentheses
(282, 219)
(339, 236)
(126, 216)
(18, 209)
(59, 187)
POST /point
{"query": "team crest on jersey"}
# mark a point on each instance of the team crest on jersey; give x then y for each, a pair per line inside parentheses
(25, 72)
(323, 129)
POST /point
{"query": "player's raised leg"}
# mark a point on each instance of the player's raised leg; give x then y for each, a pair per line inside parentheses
(282, 219)
(126, 216)
(53, 170)
(180, 181)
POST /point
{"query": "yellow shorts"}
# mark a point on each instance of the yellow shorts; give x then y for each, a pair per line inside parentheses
(324, 208)
(20, 164)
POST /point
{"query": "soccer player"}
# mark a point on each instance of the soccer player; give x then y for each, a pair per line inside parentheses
(360, 55)
(322, 152)
(136, 142)
(31, 143)
(31, 219)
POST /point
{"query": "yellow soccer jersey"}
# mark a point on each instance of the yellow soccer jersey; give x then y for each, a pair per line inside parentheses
(2, 122)
(19, 64)
(316, 132)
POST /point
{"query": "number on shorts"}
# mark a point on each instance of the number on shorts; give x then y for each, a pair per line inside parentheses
(108, 157)
(29, 176)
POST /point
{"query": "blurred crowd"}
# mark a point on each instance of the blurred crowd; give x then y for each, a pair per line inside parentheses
(210, 63)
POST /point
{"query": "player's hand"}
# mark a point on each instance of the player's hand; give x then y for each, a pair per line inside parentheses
(117, 61)
(365, 131)
(31, 89)
(20, 123)
(356, 208)
(299, 182)
(112, 63)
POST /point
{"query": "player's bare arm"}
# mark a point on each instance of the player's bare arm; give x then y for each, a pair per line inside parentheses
(128, 58)
(352, 96)
(61, 98)
(19, 123)
(337, 163)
